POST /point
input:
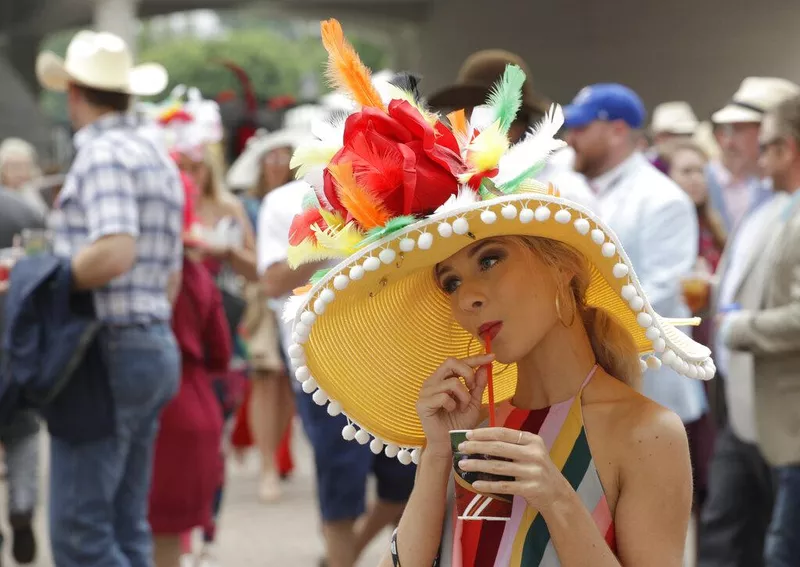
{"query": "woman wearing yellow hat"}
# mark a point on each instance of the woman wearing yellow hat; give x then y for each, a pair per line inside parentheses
(445, 244)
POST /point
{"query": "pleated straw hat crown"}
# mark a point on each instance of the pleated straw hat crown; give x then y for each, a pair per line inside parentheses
(393, 190)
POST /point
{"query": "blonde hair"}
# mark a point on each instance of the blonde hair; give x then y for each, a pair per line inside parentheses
(612, 344)
(214, 160)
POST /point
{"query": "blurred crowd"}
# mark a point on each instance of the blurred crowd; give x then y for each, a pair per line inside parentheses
(707, 206)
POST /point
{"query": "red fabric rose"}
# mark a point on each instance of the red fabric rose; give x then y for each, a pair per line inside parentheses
(407, 165)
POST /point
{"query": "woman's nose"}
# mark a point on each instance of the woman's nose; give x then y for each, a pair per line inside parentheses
(470, 297)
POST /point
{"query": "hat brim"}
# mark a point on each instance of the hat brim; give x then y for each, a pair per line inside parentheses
(243, 173)
(733, 114)
(457, 97)
(147, 79)
(675, 129)
(377, 325)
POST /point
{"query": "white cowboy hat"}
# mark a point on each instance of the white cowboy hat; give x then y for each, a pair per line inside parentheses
(675, 117)
(101, 61)
(755, 97)
(243, 173)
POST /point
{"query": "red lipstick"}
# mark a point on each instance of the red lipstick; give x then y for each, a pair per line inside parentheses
(491, 329)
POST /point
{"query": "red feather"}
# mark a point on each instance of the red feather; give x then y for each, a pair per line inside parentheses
(302, 226)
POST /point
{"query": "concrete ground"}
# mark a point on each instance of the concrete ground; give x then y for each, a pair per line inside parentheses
(251, 534)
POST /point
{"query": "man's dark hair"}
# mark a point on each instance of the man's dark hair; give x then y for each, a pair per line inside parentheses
(116, 101)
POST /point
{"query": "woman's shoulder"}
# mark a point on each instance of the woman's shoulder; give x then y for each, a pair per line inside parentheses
(632, 415)
(230, 204)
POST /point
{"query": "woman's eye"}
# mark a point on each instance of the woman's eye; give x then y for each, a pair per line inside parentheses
(449, 285)
(488, 261)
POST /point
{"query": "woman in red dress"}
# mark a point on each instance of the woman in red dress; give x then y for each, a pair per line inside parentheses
(187, 467)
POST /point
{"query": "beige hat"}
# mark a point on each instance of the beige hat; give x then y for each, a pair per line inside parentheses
(675, 117)
(244, 172)
(101, 61)
(755, 96)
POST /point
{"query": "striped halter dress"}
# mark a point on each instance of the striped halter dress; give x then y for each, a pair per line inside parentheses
(524, 541)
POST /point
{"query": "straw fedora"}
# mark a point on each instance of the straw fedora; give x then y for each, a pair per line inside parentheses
(478, 74)
(755, 97)
(675, 117)
(368, 331)
(101, 61)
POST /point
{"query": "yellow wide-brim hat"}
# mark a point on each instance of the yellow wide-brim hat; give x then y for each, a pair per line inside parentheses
(371, 330)
(369, 333)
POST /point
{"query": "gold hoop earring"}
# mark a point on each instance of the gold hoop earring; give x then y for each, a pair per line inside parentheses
(558, 311)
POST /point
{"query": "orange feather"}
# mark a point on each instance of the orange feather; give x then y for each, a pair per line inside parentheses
(345, 69)
(302, 290)
(458, 120)
(363, 206)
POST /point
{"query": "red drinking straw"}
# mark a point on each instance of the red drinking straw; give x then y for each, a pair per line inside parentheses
(490, 382)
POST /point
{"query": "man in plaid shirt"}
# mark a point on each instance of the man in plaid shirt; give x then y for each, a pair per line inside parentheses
(119, 219)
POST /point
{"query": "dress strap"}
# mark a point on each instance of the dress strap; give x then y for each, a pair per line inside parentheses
(588, 378)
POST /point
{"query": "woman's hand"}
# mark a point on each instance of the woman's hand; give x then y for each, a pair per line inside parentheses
(445, 403)
(537, 479)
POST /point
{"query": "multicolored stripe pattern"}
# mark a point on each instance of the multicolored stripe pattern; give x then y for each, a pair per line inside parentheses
(524, 541)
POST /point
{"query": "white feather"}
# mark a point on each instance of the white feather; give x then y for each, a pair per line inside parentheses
(315, 177)
(535, 148)
(330, 132)
(293, 306)
(464, 198)
(481, 118)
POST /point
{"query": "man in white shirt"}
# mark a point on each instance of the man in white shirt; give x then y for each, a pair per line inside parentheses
(341, 467)
(654, 219)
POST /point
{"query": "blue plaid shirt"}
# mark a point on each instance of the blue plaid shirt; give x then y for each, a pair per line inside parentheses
(121, 183)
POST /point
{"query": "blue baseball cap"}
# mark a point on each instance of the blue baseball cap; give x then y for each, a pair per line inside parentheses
(607, 102)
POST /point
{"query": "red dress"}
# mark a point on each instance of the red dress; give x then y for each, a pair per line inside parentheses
(187, 467)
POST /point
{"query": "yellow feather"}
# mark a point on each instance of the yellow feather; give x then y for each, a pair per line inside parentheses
(333, 220)
(311, 155)
(307, 252)
(342, 240)
(487, 148)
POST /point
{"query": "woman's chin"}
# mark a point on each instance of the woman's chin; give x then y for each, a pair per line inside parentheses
(505, 356)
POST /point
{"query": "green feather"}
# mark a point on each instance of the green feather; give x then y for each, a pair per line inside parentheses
(511, 186)
(318, 275)
(310, 200)
(506, 96)
(393, 225)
